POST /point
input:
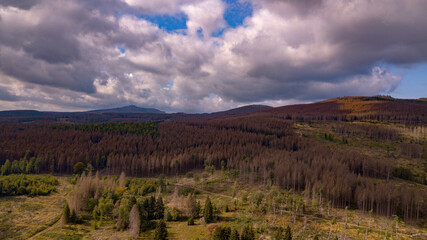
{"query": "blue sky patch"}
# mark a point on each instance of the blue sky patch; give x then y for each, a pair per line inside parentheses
(166, 22)
(414, 83)
(169, 85)
(121, 49)
(237, 11)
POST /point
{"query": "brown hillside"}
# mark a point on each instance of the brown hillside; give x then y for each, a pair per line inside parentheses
(381, 108)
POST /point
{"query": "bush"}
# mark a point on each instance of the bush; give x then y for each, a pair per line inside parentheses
(222, 233)
(168, 217)
(13, 185)
(226, 208)
(248, 233)
(235, 235)
(190, 221)
(79, 168)
(189, 175)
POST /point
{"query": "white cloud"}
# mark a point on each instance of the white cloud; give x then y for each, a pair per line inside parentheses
(64, 54)
(205, 15)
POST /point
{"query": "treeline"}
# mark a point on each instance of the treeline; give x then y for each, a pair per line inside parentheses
(21, 166)
(404, 118)
(30, 185)
(262, 149)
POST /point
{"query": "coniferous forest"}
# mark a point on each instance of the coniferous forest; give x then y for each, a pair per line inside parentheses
(261, 149)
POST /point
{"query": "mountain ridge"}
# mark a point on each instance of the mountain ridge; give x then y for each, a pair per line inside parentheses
(128, 109)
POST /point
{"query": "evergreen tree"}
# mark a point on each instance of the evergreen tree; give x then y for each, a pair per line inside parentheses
(208, 211)
(160, 209)
(151, 207)
(288, 233)
(316, 237)
(235, 235)
(15, 167)
(73, 217)
(66, 215)
(248, 233)
(161, 231)
(31, 165)
(5, 169)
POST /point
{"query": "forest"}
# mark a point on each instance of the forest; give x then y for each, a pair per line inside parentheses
(262, 149)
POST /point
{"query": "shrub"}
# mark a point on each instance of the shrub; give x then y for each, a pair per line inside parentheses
(79, 168)
(222, 233)
(248, 233)
(190, 221)
(168, 217)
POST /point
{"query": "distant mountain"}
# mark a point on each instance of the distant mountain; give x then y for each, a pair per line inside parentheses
(241, 110)
(377, 108)
(124, 114)
(128, 109)
(20, 113)
(245, 110)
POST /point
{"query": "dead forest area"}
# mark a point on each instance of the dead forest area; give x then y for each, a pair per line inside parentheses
(264, 149)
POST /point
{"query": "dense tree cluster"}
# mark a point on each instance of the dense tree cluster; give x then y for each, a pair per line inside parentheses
(30, 185)
(261, 148)
(112, 198)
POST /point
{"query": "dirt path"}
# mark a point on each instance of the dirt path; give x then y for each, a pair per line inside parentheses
(54, 224)
(65, 190)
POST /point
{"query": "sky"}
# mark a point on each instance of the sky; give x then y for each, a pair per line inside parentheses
(207, 55)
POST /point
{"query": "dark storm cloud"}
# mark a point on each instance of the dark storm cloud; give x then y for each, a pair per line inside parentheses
(6, 96)
(23, 4)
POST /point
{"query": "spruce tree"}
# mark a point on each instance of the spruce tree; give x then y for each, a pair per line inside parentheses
(73, 217)
(161, 231)
(160, 209)
(288, 233)
(66, 217)
(208, 211)
(5, 169)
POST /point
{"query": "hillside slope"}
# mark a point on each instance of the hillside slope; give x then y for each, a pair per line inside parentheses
(379, 108)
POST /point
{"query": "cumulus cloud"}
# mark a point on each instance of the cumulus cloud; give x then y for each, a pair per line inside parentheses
(88, 54)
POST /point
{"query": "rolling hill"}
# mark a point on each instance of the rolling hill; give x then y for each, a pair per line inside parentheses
(380, 108)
